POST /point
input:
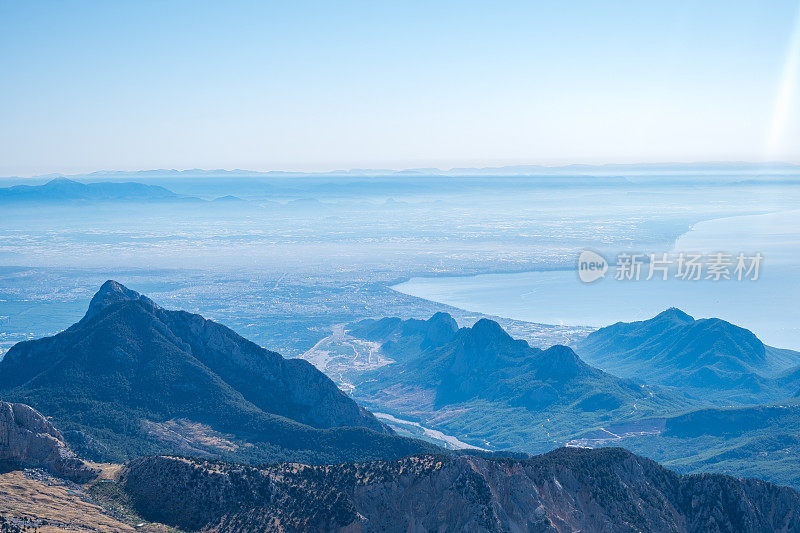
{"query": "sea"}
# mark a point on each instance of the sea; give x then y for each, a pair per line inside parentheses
(768, 305)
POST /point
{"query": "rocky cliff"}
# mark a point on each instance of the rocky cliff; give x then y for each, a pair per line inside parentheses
(27, 438)
(566, 490)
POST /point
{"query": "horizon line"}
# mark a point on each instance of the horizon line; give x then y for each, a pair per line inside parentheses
(426, 170)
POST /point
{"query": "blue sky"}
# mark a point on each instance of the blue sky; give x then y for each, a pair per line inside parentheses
(316, 86)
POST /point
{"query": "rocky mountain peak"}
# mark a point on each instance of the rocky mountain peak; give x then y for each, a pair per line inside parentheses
(488, 330)
(180, 368)
(560, 362)
(674, 315)
(62, 182)
(444, 319)
(485, 345)
(441, 328)
(110, 293)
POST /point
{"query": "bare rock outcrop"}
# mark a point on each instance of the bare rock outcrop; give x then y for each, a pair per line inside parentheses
(568, 489)
(28, 438)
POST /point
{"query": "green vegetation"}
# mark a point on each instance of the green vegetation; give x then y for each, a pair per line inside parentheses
(487, 389)
(574, 489)
(709, 359)
(490, 390)
(132, 379)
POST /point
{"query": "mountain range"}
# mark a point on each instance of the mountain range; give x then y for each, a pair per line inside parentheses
(711, 358)
(67, 190)
(485, 362)
(190, 408)
(131, 378)
(568, 489)
(507, 170)
(401, 339)
(711, 396)
(490, 390)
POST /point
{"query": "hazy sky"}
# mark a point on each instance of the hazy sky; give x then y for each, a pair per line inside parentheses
(314, 86)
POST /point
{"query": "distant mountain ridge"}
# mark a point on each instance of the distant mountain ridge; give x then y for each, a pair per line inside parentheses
(485, 362)
(674, 349)
(487, 389)
(67, 190)
(404, 339)
(507, 170)
(132, 378)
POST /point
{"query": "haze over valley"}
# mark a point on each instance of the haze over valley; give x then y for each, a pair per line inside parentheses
(346, 242)
(378, 267)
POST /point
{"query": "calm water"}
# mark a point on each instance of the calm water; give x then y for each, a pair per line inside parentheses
(768, 306)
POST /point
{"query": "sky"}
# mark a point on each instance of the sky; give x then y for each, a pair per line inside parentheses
(313, 86)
